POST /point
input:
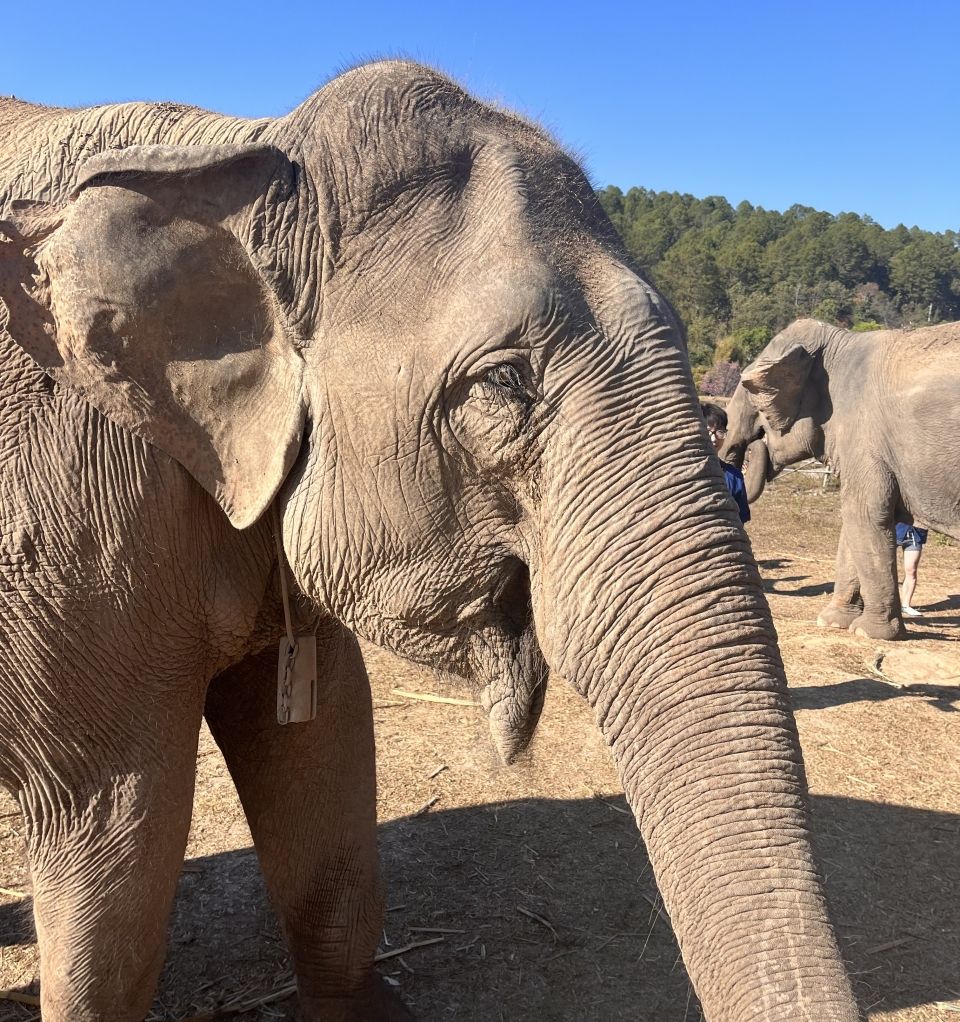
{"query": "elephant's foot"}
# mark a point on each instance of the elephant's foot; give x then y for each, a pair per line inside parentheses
(377, 1002)
(873, 627)
(839, 615)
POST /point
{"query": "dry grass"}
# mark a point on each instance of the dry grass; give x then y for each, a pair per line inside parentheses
(524, 892)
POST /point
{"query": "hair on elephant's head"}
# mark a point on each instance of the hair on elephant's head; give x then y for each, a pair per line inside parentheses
(778, 410)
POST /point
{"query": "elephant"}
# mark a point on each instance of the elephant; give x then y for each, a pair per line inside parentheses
(385, 352)
(880, 408)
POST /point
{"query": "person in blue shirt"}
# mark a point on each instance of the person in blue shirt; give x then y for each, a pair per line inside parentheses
(716, 420)
(910, 538)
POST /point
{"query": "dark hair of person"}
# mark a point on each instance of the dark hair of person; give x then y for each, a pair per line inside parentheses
(714, 415)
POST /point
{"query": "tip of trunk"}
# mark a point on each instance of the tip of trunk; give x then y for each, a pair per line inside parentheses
(756, 469)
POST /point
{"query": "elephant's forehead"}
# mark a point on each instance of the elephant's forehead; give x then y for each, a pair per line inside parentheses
(389, 121)
(401, 141)
(475, 315)
(441, 274)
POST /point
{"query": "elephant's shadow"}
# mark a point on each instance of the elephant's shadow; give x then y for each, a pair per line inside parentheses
(547, 909)
(855, 690)
(775, 585)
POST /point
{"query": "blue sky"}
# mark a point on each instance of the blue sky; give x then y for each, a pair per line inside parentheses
(843, 106)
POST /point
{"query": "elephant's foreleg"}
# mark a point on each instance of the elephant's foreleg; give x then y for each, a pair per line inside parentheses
(846, 604)
(309, 793)
(106, 833)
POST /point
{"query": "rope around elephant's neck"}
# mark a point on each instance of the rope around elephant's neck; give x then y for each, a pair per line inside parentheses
(282, 570)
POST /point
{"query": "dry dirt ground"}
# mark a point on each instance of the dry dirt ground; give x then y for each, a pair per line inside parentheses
(532, 880)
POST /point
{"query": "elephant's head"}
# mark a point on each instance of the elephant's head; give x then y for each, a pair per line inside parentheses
(403, 314)
(744, 444)
(778, 411)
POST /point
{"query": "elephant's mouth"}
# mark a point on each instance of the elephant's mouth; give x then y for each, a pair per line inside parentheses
(511, 600)
(504, 603)
(491, 644)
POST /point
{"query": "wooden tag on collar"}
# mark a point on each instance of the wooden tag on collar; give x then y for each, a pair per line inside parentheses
(297, 680)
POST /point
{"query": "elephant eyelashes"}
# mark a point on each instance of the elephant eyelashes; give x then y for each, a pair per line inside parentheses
(507, 377)
(506, 382)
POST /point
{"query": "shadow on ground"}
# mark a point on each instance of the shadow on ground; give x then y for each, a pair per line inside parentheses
(858, 690)
(547, 910)
(775, 586)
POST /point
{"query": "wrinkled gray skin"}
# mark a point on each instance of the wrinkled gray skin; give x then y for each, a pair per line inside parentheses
(400, 317)
(882, 409)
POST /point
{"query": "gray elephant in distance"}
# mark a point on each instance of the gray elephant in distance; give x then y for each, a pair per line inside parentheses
(397, 320)
(881, 407)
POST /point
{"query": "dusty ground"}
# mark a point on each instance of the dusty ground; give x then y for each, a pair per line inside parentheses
(534, 876)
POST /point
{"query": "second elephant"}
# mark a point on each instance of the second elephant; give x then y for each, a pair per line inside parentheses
(881, 408)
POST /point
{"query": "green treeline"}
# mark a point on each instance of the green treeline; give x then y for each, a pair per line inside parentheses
(738, 275)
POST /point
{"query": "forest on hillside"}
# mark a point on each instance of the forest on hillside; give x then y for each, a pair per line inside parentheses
(737, 275)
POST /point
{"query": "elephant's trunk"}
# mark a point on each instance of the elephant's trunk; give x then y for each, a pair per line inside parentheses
(756, 469)
(648, 600)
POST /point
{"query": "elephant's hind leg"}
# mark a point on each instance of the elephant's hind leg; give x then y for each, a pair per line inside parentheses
(106, 835)
(309, 793)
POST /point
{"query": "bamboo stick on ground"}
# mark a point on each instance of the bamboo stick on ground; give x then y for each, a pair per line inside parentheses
(428, 697)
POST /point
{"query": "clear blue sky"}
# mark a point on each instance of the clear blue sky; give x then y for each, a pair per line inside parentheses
(843, 106)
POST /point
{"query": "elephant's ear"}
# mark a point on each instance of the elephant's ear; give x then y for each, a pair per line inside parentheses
(155, 295)
(775, 384)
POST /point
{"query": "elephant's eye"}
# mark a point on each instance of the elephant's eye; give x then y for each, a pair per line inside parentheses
(506, 377)
(490, 414)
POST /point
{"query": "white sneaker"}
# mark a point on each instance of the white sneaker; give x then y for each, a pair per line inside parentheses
(909, 611)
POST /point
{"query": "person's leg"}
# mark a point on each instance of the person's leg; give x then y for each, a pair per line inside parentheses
(911, 559)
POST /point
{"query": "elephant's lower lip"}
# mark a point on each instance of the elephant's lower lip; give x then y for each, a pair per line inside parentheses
(509, 739)
(513, 718)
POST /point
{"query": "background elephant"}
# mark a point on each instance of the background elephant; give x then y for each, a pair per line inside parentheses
(398, 317)
(881, 408)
